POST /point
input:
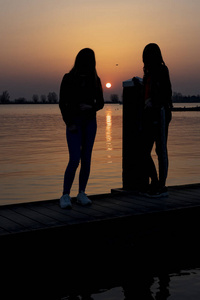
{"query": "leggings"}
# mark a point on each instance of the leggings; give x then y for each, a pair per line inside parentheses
(158, 133)
(80, 145)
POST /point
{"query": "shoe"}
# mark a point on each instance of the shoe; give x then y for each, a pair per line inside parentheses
(65, 201)
(82, 199)
(164, 192)
(157, 193)
(152, 193)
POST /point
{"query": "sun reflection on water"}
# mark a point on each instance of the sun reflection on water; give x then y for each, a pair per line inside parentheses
(109, 146)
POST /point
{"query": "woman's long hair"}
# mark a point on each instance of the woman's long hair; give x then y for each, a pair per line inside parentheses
(85, 64)
(152, 58)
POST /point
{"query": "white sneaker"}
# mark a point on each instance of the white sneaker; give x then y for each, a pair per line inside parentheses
(82, 199)
(65, 201)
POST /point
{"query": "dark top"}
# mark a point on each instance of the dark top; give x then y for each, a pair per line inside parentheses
(75, 90)
(158, 88)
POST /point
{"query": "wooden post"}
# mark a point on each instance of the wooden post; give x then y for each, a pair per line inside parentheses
(133, 171)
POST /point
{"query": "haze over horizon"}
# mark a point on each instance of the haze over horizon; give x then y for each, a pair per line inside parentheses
(40, 40)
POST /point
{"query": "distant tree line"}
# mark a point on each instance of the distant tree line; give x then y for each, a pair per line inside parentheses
(5, 97)
(179, 98)
(176, 98)
(51, 98)
(114, 98)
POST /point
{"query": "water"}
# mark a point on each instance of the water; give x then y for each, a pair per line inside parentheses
(183, 285)
(33, 158)
(34, 155)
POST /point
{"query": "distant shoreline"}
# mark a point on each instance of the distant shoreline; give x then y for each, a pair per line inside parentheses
(197, 108)
(194, 108)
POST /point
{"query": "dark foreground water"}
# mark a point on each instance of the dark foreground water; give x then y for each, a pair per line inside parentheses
(149, 267)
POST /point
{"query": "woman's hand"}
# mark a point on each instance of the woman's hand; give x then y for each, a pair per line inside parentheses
(137, 81)
(148, 103)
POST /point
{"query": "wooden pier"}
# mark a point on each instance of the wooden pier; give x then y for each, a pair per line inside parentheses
(117, 207)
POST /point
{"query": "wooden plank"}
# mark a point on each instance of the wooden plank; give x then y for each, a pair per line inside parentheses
(105, 205)
(95, 211)
(3, 231)
(42, 219)
(19, 218)
(143, 202)
(10, 226)
(136, 203)
(77, 212)
(162, 201)
(185, 186)
(130, 205)
(109, 205)
(184, 198)
(174, 200)
(121, 210)
(125, 202)
(192, 193)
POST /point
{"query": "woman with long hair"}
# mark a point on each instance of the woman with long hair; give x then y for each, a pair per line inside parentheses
(81, 96)
(157, 116)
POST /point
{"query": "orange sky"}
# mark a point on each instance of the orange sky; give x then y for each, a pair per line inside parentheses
(40, 39)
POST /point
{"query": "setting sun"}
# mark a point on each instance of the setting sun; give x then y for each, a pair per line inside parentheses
(108, 85)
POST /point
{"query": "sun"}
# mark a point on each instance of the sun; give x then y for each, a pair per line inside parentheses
(108, 85)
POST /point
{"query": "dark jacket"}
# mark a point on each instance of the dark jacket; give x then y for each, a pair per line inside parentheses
(77, 90)
(160, 88)
(160, 93)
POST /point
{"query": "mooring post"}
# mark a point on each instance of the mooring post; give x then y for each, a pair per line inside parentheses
(133, 174)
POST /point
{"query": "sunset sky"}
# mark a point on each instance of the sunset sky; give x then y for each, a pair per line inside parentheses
(40, 39)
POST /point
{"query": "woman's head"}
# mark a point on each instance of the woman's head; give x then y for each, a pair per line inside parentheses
(85, 62)
(152, 56)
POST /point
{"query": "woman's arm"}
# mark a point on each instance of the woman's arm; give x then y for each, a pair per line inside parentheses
(99, 104)
(65, 100)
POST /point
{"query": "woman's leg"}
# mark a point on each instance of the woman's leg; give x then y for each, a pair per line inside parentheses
(161, 148)
(74, 146)
(149, 165)
(152, 172)
(88, 137)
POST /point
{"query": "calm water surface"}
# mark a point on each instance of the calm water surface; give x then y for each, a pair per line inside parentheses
(34, 155)
(183, 285)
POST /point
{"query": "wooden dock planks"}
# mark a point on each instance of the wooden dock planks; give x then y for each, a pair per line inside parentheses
(28, 217)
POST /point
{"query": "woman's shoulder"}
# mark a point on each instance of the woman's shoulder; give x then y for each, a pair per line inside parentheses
(162, 73)
(164, 69)
(67, 78)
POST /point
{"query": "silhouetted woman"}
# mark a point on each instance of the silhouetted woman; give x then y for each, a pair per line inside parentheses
(81, 96)
(157, 116)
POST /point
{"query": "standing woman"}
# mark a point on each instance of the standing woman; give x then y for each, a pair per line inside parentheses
(157, 116)
(81, 96)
